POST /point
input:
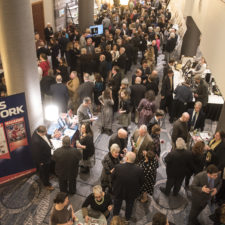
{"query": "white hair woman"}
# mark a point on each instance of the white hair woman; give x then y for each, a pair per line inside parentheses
(180, 144)
(99, 202)
(109, 162)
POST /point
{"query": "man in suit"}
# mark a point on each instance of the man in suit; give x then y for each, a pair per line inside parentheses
(126, 187)
(155, 120)
(145, 69)
(48, 32)
(204, 187)
(180, 128)
(90, 48)
(60, 94)
(167, 94)
(84, 112)
(119, 138)
(103, 67)
(86, 89)
(41, 152)
(122, 60)
(137, 92)
(178, 162)
(201, 93)
(66, 166)
(197, 117)
(115, 83)
(141, 142)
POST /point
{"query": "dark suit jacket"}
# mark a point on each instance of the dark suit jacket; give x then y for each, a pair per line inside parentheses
(200, 122)
(180, 129)
(166, 87)
(67, 162)
(202, 91)
(115, 83)
(41, 151)
(127, 180)
(86, 90)
(137, 93)
(121, 61)
(116, 140)
(103, 69)
(200, 180)
(178, 163)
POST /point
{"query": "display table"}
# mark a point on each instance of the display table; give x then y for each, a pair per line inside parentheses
(215, 102)
(67, 127)
(101, 221)
(200, 136)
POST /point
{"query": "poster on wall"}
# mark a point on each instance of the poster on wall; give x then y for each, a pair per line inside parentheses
(15, 153)
(16, 133)
(4, 151)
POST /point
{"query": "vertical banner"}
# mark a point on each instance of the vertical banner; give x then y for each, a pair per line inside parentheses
(15, 153)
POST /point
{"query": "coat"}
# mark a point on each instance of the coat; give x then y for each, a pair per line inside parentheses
(108, 163)
(41, 150)
(67, 162)
(180, 129)
(137, 93)
(178, 158)
(60, 95)
(106, 112)
(200, 180)
(90, 148)
(116, 140)
(127, 187)
(82, 114)
(200, 122)
(86, 90)
(146, 145)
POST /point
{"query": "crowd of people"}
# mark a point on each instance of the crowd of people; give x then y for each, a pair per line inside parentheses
(88, 75)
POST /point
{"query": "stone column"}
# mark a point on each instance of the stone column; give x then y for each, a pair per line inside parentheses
(86, 14)
(19, 55)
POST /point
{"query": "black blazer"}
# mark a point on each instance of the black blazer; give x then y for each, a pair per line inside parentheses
(137, 93)
(127, 180)
(166, 87)
(41, 151)
(178, 163)
(116, 140)
(200, 123)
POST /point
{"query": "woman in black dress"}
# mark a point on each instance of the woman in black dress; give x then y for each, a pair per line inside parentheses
(149, 165)
(99, 202)
(87, 145)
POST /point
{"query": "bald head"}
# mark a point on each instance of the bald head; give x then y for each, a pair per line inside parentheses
(58, 78)
(130, 157)
(185, 117)
(122, 133)
(137, 80)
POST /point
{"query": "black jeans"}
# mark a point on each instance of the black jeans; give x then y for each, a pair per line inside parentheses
(44, 171)
(129, 207)
(65, 183)
(174, 182)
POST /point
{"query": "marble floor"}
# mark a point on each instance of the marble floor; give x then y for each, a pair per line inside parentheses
(26, 202)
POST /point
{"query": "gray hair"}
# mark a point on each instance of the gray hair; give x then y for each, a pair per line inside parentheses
(180, 143)
(66, 141)
(97, 189)
(143, 127)
(198, 103)
(172, 35)
(114, 148)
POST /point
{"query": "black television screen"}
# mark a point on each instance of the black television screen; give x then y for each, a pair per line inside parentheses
(96, 30)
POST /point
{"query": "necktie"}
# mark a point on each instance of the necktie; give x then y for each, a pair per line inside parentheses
(193, 119)
(211, 183)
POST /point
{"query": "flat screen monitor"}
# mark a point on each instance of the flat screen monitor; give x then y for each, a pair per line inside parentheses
(96, 30)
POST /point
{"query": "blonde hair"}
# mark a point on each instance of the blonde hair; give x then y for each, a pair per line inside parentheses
(180, 144)
(97, 189)
(114, 147)
(117, 220)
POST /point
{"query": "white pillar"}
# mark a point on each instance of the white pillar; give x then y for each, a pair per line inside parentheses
(19, 55)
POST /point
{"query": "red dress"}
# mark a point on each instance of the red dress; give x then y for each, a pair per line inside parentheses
(45, 66)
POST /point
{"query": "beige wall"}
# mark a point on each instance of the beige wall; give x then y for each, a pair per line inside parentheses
(48, 11)
(209, 15)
